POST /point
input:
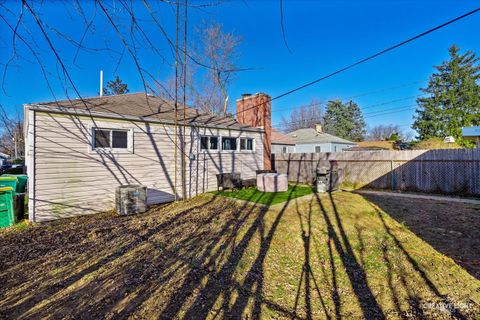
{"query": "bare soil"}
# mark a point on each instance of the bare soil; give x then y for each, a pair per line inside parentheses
(346, 256)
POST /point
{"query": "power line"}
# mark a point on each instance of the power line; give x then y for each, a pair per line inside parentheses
(308, 84)
(369, 115)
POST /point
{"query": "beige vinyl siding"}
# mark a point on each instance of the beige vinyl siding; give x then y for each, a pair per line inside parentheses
(71, 179)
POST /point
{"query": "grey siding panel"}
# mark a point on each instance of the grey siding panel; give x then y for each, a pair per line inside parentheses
(70, 179)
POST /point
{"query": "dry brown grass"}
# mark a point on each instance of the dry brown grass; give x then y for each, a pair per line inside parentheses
(209, 257)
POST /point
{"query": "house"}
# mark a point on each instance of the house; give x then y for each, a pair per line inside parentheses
(3, 158)
(282, 143)
(311, 140)
(79, 151)
(472, 133)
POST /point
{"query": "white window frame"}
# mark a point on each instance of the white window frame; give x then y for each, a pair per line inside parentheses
(130, 142)
(219, 147)
(246, 139)
(237, 144)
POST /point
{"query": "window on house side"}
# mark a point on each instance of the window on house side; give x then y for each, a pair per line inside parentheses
(213, 143)
(246, 144)
(229, 144)
(284, 150)
(318, 149)
(110, 139)
(203, 143)
(102, 138)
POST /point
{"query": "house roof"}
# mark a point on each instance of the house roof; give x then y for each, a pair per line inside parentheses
(3, 155)
(139, 106)
(280, 138)
(385, 145)
(309, 135)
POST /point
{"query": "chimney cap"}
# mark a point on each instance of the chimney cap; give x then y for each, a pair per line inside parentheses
(244, 95)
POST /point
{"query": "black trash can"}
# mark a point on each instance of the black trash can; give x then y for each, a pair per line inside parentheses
(327, 178)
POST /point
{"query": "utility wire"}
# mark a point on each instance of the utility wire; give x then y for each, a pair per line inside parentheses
(308, 84)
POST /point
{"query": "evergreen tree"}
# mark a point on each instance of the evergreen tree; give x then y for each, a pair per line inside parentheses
(345, 120)
(453, 99)
(115, 87)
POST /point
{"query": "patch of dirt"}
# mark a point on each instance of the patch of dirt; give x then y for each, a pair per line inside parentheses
(451, 228)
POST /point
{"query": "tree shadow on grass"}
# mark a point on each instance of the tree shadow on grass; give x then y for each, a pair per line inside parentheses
(357, 276)
(415, 306)
(441, 224)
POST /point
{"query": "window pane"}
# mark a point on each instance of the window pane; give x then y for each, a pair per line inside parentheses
(249, 144)
(229, 143)
(242, 144)
(317, 149)
(203, 143)
(102, 138)
(213, 143)
(120, 139)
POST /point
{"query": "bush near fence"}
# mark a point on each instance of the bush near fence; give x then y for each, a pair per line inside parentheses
(451, 171)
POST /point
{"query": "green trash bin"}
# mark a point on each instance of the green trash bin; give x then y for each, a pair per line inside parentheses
(11, 182)
(22, 181)
(7, 217)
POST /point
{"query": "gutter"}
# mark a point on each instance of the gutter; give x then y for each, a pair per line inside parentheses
(60, 110)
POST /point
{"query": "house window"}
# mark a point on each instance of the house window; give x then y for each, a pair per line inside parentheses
(110, 139)
(246, 144)
(318, 149)
(203, 143)
(213, 143)
(208, 143)
(229, 143)
(284, 149)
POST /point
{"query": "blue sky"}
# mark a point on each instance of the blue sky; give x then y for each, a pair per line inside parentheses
(323, 36)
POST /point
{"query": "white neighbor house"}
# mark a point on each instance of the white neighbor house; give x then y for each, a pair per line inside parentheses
(3, 158)
(311, 140)
(79, 151)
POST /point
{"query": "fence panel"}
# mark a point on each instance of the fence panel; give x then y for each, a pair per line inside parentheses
(454, 171)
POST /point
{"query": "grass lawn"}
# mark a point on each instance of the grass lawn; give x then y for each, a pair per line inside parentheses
(270, 198)
(345, 256)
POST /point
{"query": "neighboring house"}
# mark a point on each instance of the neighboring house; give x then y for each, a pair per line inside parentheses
(311, 140)
(79, 151)
(282, 143)
(3, 158)
(472, 133)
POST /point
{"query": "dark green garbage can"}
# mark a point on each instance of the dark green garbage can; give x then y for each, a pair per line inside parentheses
(7, 217)
(22, 180)
(9, 181)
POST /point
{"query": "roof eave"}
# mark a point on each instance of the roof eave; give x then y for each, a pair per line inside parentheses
(60, 110)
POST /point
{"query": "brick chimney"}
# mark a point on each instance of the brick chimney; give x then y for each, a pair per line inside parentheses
(255, 110)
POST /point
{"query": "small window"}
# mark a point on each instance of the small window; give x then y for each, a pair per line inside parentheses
(102, 138)
(208, 143)
(229, 143)
(110, 139)
(318, 149)
(246, 144)
(119, 139)
(213, 143)
(203, 143)
(284, 149)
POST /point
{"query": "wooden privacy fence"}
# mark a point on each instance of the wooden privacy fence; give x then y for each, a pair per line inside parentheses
(450, 171)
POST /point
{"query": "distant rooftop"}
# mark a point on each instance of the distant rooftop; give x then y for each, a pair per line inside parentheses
(310, 135)
(280, 138)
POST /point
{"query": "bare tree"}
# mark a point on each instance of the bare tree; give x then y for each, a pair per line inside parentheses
(306, 116)
(219, 51)
(384, 132)
(12, 141)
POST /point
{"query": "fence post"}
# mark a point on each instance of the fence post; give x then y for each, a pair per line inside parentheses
(392, 177)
